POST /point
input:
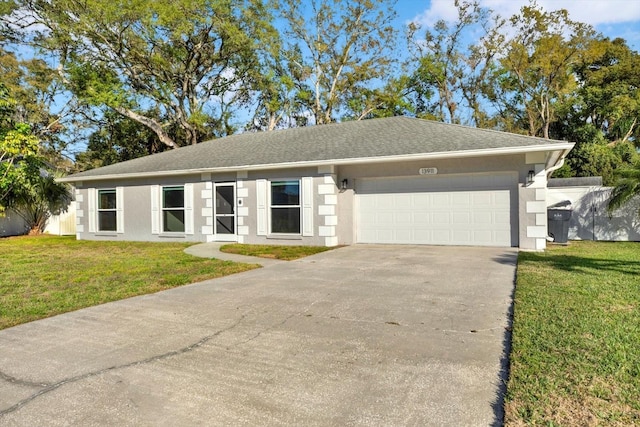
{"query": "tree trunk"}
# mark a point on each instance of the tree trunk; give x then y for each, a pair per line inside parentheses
(152, 124)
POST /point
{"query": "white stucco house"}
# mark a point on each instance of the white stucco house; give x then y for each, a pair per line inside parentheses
(393, 180)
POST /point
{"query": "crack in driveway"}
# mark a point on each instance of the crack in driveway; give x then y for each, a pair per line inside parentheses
(18, 381)
(54, 386)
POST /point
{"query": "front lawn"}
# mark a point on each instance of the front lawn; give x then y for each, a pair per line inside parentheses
(48, 275)
(287, 253)
(575, 358)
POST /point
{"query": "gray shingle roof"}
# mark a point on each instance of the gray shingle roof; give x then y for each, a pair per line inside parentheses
(340, 142)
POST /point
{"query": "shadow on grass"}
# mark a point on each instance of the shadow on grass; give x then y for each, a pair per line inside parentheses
(583, 264)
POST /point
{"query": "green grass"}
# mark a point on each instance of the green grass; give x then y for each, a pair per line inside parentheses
(287, 253)
(575, 357)
(47, 275)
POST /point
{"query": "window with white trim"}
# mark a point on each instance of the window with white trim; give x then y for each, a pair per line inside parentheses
(107, 210)
(285, 206)
(173, 209)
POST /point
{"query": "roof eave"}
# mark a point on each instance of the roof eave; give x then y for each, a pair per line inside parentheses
(564, 147)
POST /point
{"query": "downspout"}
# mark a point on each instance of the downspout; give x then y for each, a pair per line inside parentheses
(557, 163)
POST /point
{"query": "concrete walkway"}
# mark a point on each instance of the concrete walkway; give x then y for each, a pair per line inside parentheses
(212, 250)
(361, 335)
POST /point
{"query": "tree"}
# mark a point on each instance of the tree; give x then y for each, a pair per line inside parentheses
(188, 59)
(280, 89)
(387, 101)
(449, 76)
(627, 188)
(536, 68)
(34, 90)
(609, 90)
(597, 158)
(337, 49)
(25, 185)
(118, 139)
(36, 195)
(601, 114)
(17, 144)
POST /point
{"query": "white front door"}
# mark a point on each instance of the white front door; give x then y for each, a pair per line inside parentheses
(224, 213)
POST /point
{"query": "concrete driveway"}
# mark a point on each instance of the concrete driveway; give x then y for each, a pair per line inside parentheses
(362, 335)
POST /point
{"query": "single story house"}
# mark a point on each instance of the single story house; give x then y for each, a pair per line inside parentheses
(391, 180)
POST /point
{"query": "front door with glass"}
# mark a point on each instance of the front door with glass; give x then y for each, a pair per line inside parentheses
(225, 212)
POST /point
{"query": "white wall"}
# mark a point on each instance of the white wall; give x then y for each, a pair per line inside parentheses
(590, 219)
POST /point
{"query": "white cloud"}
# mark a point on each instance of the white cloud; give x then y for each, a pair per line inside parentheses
(439, 9)
(594, 12)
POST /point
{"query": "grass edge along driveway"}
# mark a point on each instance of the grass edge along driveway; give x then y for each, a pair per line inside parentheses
(48, 275)
(575, 357)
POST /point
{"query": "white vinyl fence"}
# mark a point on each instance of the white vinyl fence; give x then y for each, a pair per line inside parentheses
(590, 219)
(64, 224)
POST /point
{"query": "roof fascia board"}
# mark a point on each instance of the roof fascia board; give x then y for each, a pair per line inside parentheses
(565, 147)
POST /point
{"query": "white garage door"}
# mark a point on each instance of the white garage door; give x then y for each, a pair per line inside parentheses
(436, 210)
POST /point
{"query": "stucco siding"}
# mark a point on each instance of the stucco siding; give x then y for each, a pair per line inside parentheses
(136, 206)
(333, 209)
(250, 204)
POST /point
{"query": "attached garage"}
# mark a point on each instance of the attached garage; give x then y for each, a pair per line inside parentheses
(466, 209)
(390, 180)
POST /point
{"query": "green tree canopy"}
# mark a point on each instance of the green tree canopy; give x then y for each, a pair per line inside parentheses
(187, 59)
(335, 50)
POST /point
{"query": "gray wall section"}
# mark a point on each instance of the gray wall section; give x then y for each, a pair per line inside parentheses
(346, 228)
(137, 199)
(251, 203)
(506, 163)
(137, 209)
(12, 225)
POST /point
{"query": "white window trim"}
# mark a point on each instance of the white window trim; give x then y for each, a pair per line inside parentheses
(271, 206)
(262, 216)
(99, 210)
(157, 208)
(306, 194)
(93, 201)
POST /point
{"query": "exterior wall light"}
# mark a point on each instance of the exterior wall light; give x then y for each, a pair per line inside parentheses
(531, 177)
(343, 184)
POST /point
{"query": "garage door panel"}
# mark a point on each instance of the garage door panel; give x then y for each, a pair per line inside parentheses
(441, 199)
(420, 218)
(460, 219)
(482, 236)
(461, 235)
(501, 198)
(460, 210)
(480, 218)
(403, 218)
(483, 198)
(402, 201)
(502, 217)
(441, 218)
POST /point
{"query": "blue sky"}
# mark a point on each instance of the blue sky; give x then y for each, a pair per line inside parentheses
(613, 18)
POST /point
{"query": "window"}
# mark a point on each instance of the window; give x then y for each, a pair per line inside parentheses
(285, 207)
(107, 212)
(173, 209)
